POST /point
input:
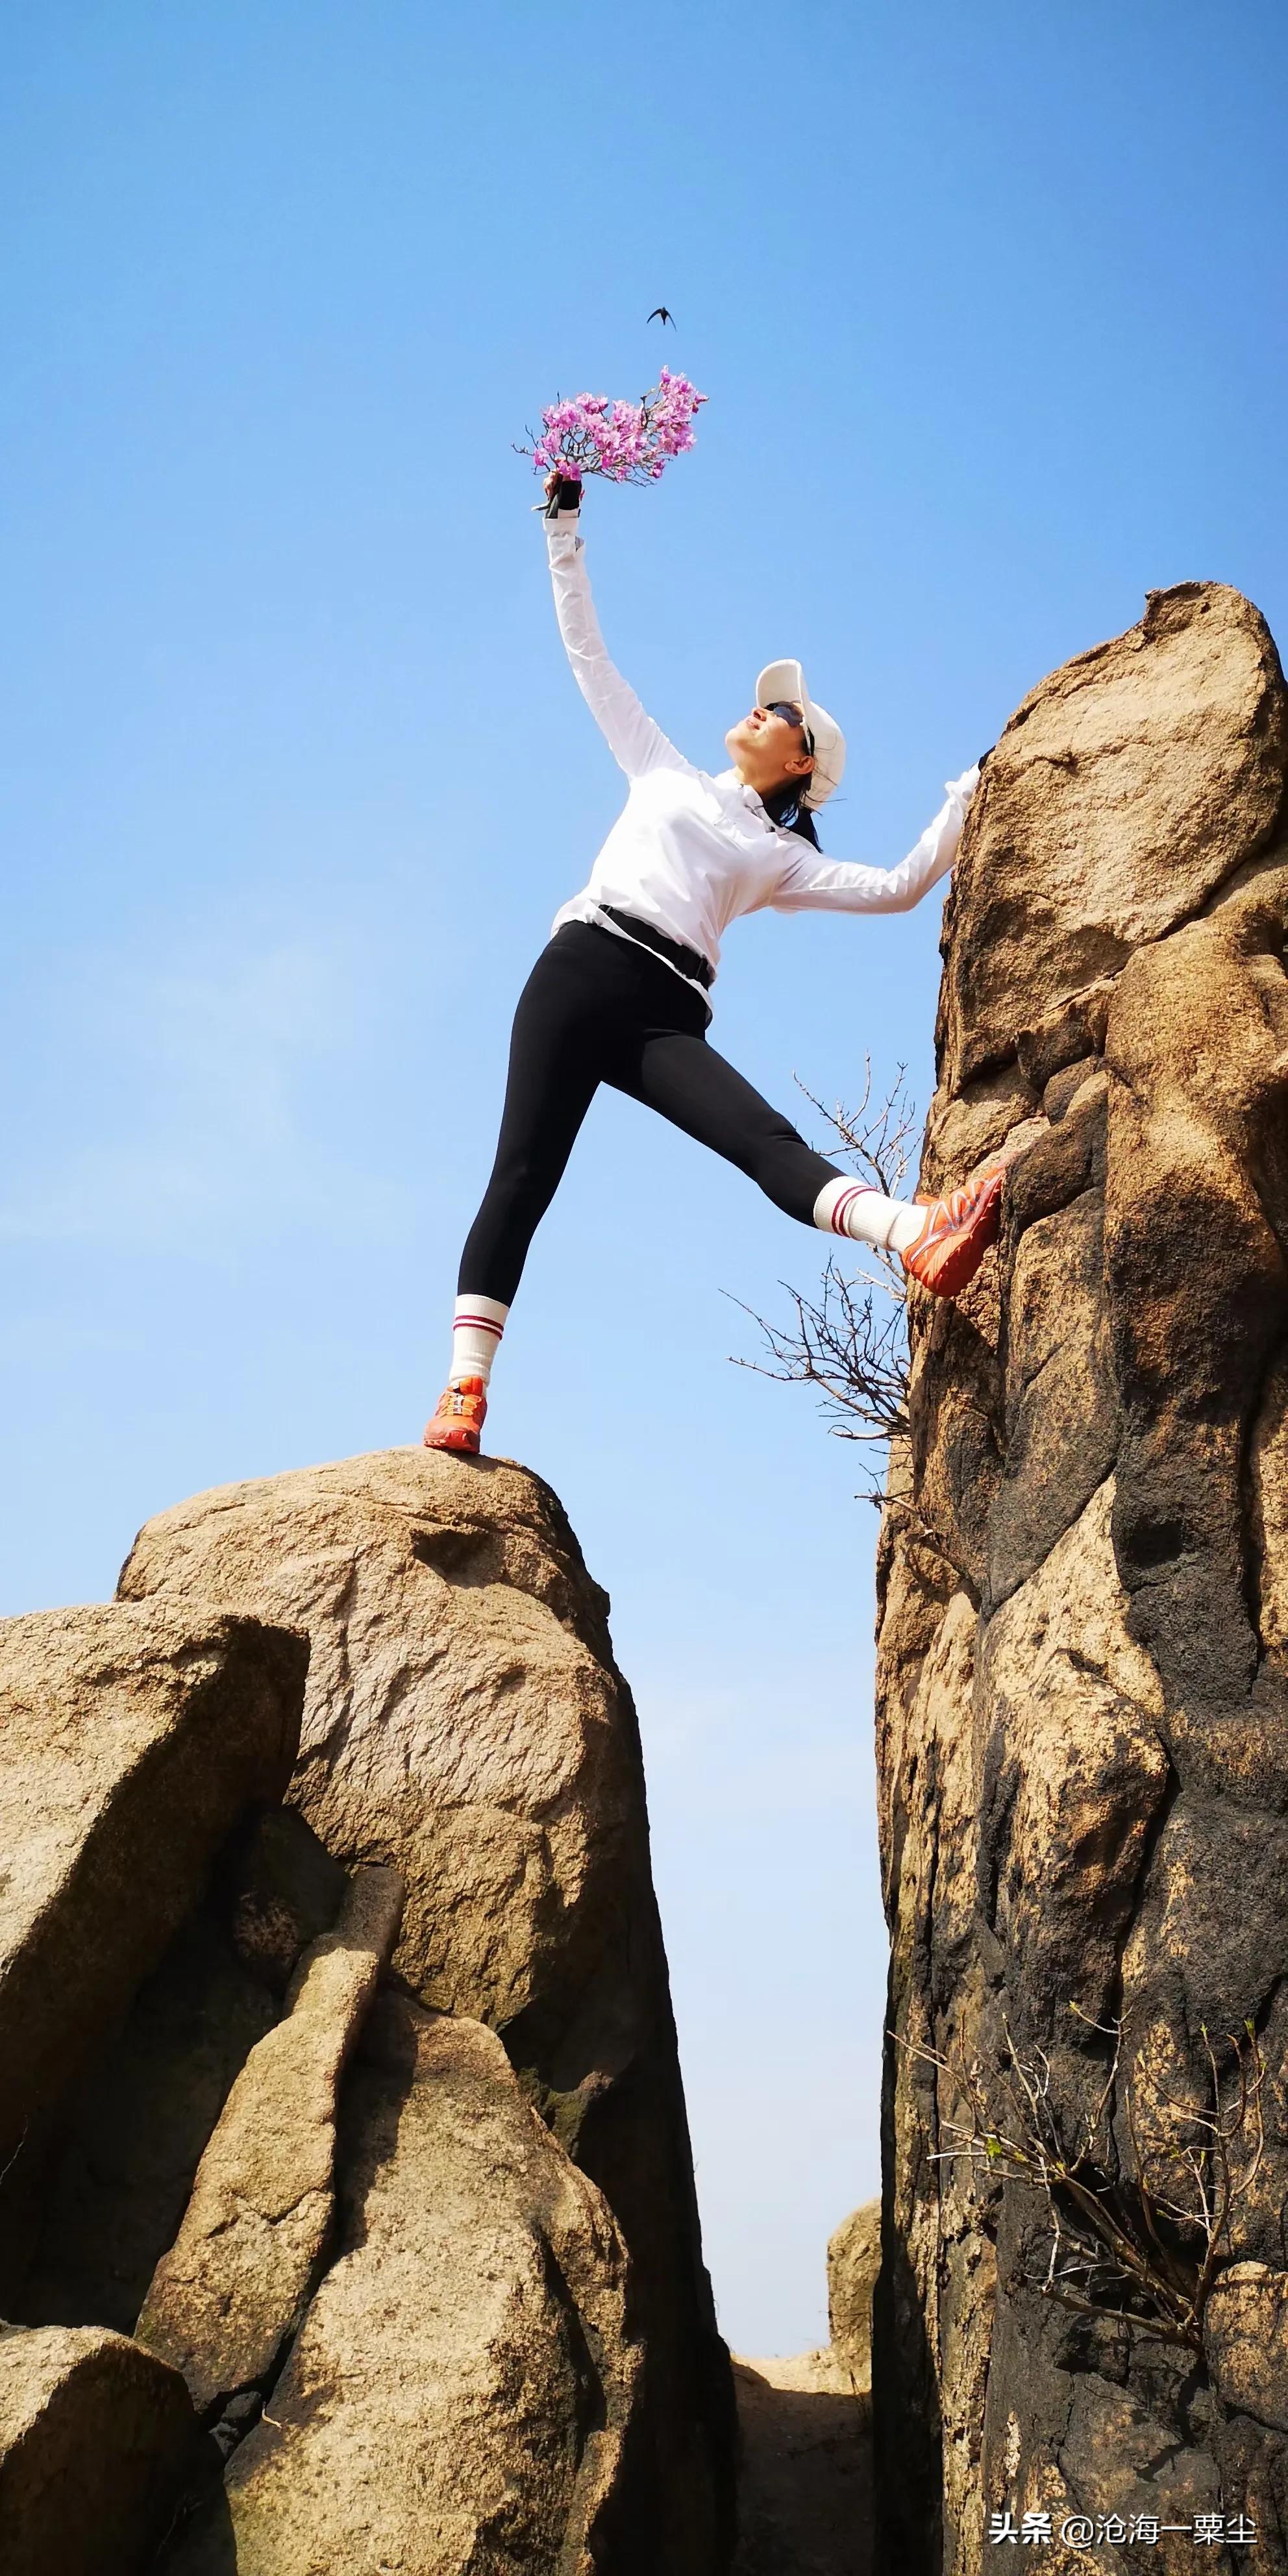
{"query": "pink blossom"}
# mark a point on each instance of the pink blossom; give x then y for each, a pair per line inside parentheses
(625, 442)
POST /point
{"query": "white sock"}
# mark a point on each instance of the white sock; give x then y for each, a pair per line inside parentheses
(866, 1216)
(477, 1327)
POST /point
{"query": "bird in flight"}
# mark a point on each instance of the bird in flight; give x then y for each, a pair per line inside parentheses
(660, 314)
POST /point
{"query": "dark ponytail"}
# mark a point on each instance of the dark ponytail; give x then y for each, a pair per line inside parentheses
(786, 806)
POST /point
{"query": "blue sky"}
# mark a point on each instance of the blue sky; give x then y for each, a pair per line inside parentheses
(989, 305)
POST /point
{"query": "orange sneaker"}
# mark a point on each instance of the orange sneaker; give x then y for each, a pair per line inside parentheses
(459, 1418)
(957, 1232)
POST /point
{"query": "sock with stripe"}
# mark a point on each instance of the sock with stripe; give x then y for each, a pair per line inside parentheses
(477, 1327)
(867, 1216)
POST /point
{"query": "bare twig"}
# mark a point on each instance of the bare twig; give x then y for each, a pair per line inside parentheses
(6, 2169)
(1153, 2237)
(850, 1339)
(843, 1344)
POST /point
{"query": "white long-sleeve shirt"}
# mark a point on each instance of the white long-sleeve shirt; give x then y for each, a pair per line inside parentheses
(689, 852)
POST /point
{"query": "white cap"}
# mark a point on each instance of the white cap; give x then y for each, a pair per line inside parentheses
(787, 680)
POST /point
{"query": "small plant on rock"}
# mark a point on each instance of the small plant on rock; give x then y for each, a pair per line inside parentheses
(850, 1338)
(1142, 2249)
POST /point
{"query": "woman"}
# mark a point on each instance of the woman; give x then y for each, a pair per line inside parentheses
(620, 993)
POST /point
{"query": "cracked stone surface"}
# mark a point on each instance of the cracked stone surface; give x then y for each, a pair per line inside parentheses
(94, 2438)
(132, 1738)
(467, 2379)
(237, 2279)
(853, 2261)
(1083, 1657)
(97, 2193)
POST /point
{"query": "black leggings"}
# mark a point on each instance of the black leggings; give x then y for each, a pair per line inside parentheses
(595, 1009)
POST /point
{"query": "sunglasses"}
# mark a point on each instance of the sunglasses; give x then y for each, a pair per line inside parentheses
(791, 715)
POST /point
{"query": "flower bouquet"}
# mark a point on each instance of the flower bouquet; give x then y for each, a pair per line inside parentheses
(627, 442)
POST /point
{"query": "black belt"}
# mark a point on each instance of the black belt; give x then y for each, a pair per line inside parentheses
(687, 961)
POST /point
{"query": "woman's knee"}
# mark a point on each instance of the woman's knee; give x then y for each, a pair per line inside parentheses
(521, 1183)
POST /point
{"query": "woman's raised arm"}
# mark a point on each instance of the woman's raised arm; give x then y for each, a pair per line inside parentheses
(814, 883)
(636, 743)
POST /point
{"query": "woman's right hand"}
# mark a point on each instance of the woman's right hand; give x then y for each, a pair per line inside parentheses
(563, 492)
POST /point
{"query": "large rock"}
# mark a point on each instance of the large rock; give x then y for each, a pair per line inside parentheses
(1083, 1668)
(465, 1723)
(463, 1718)
(853, 2262)
(1126, 788)
(235, 2283)
(132, 1738)
(461, 2398)
(95, 2439)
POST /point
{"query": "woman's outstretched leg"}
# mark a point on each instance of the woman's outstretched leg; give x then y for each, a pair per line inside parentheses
(941, 1243)
(684, 1078)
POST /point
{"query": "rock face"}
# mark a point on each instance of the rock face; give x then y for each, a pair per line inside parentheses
(94, 2438)
(1083, 1679)
(95, 2195)
(132, 1739)
(853, 2262)
(465, 2384)
(235, 2283)
(465, 1725)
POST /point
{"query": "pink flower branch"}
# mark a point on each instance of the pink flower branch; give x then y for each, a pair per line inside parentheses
(625, 442)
